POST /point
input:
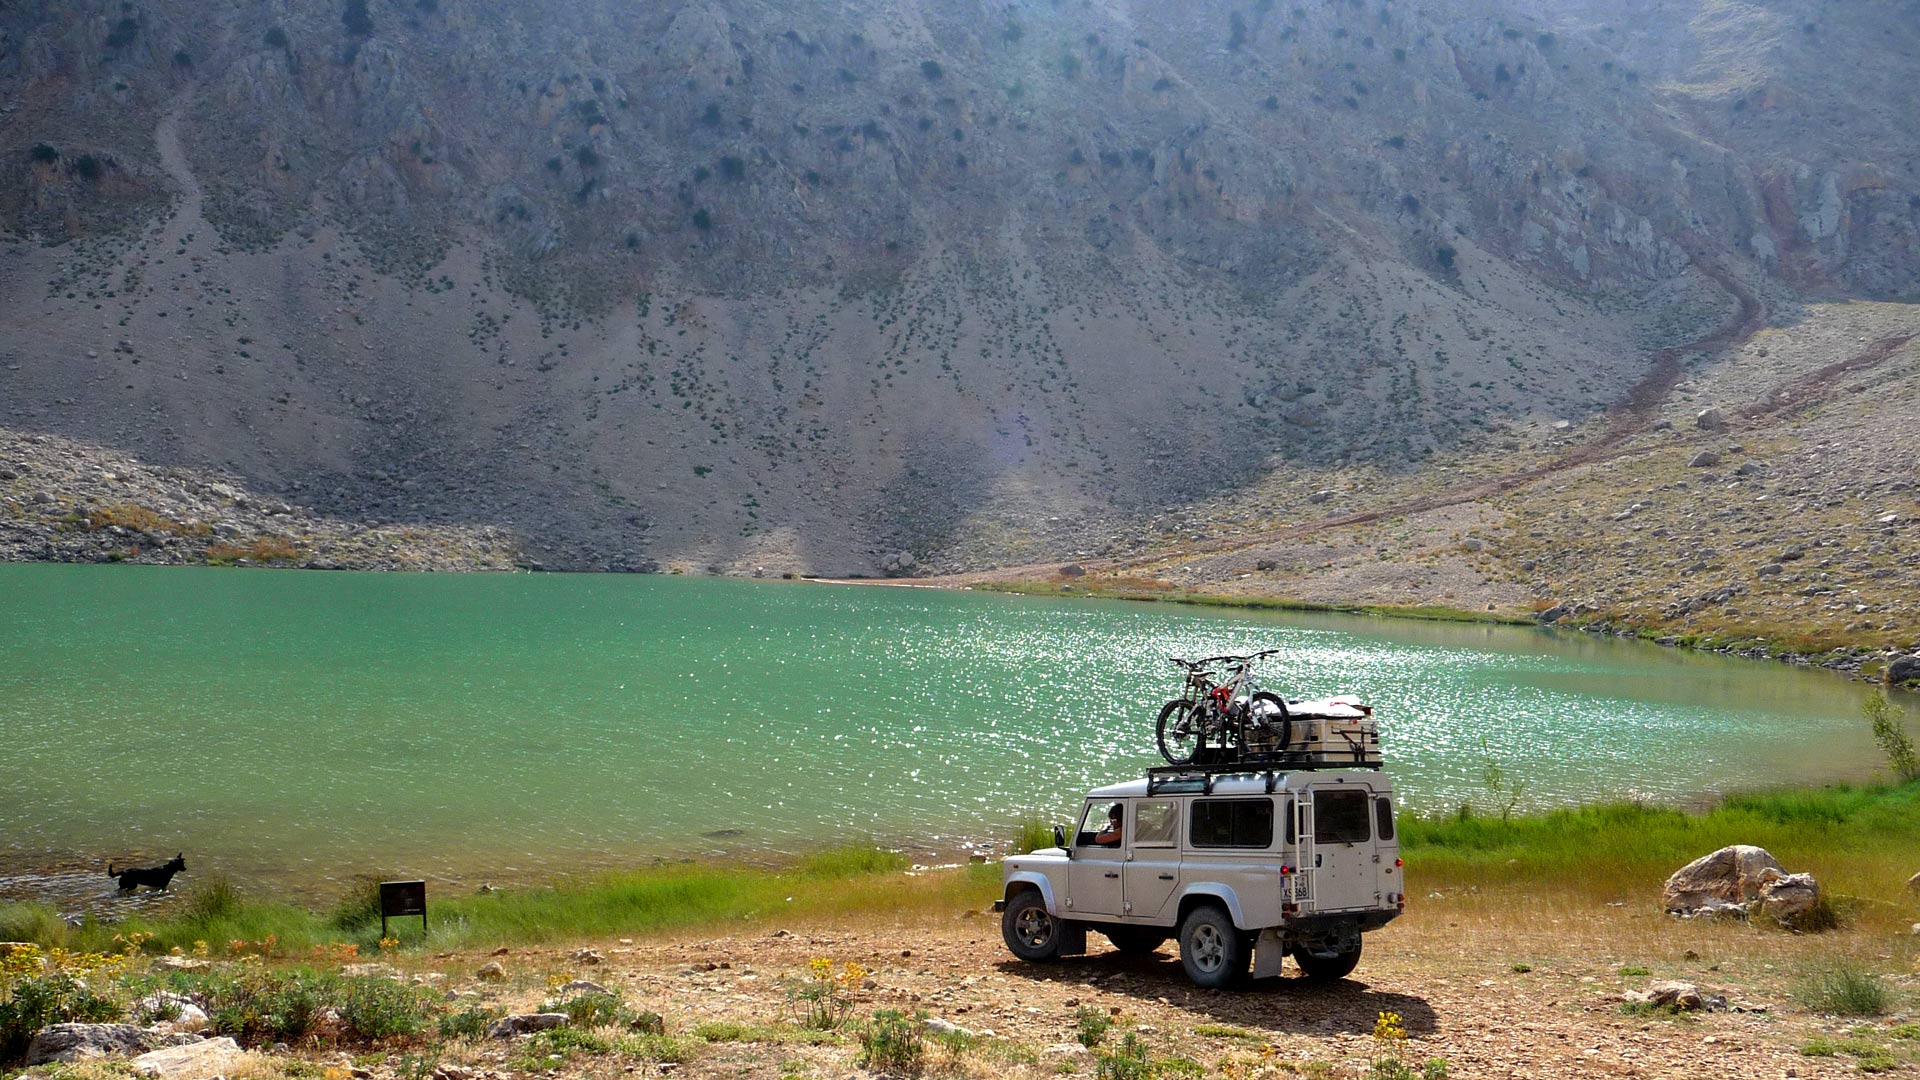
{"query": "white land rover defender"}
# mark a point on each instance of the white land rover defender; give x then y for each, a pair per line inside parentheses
(1232, 861)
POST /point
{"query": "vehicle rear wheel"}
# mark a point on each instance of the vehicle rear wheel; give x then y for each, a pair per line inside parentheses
(1326, 967)
(1031, 933)
(1178, 732)
(1213, 951)
(1283, 727)
(1135, 939)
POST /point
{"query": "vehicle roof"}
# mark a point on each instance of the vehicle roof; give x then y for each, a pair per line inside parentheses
(1245, 784)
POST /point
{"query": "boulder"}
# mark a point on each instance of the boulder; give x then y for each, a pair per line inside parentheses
(937, 1026)
(525, 1024)
(1903, 669)
(71, 1042)
(1788, 898)
(588, 957)
(171, 1008)
(1672, 994)
(1731, 875)
(1703, 460)
(492, 971)
(200, 1060)
(1710, 419)
(582, 986)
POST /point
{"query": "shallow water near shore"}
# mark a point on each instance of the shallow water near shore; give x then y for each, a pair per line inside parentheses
(294, 729)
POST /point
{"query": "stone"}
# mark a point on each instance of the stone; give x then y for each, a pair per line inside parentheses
(71, 1042)
(582, 986)
(1320, 496)
(182, 963)
(170, 1008)
(1703, 460)
(525, 1024)
(1710, 419)
(1731, 875)
(1264, 565)
(1749, 468)
(1903, 669)
(1073, 570)
(1673, 994)
(1913, 883)
(937, 1026)
(1788, 898)
(200, 1060)
(492, 972)
(370, 971)
(1772, 569)
(588, 957)
(1071, 1051)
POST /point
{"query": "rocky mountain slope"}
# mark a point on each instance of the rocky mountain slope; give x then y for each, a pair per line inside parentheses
(763, 284)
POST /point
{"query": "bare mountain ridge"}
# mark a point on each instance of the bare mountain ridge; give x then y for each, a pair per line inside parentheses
(762, 283)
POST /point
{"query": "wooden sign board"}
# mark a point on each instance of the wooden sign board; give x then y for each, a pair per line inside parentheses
(402, 898)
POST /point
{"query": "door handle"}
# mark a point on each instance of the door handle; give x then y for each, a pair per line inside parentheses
(1110, 874)
(1166, 877)
(1316, 860)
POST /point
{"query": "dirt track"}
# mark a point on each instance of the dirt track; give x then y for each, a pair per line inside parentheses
(1451, 979)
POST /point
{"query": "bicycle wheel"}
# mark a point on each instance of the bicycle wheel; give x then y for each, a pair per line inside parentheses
(1177, 731)
(1282, 726)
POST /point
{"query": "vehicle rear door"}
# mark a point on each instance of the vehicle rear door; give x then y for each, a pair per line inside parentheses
(1343, 851)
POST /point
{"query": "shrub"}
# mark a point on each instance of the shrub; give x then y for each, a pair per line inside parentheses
(932, 70)
(702, 220)
(586, 156)
(123, 33)
(595, 1009)
(57, 997)
(1031, 835)
(358, 907)
(275, 38)
(355, 18)
(1444, 256)
(43, 153)
(1846, 989)
(1093, 1026)
(260, 1007)
(377, 1009)
(732, 168)
(1236, 30)
(468, 1023)
(183, 58)
(1890, 733)
(89, 167)
(1128, 1062)
(892, 1044)
(648, 1023)
(215, 899)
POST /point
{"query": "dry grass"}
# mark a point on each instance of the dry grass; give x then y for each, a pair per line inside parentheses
(140, 519)
(265, 549)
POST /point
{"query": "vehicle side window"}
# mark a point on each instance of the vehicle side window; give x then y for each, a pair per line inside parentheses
(1154, 821)
(1340, 817)
(1383, 817)
(1101, 825)
(1286, 809)
(1238, 823)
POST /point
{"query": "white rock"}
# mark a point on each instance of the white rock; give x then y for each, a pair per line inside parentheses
(193, 1061)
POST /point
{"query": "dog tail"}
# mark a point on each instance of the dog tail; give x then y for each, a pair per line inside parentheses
(110, 872)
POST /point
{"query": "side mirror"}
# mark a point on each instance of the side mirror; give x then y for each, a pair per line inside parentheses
(1059, 837)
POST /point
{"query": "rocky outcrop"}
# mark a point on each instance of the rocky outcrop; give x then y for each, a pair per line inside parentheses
(72, 1042)
(1741, 880)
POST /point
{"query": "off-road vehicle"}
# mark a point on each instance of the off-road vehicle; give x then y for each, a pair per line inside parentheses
(1234, 861)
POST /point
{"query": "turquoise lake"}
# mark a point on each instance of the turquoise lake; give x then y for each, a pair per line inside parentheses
(299, 727)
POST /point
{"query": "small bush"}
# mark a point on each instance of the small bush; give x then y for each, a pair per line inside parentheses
(592, 1009)
(274, 38)
(1890, 734)
(123, 33)
(214, 900)
(1819, 1047)
(892, 1044)
(586, 156)
(89, 167)
(355, 18)
(1093, 1026)
(43, 153)
(932, 70)
(1634, 969)
(1521, 968)
(259, 1007)
(358, 907)
(466, 1024)
(54, 998)
(1846, 989)
(376, 1010)
(1129, 1061)
(702, 220)
(648, 1023)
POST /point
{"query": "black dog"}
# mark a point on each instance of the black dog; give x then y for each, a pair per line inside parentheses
(153, 877)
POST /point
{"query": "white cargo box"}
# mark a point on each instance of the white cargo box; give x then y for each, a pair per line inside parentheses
(1327, 741)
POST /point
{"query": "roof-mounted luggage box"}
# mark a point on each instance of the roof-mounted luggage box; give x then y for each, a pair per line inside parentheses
(1332, 743)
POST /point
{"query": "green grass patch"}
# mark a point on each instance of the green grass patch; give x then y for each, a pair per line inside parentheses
(1227, 1031)
(1854, 838)
(839, 882)
(1846, 989)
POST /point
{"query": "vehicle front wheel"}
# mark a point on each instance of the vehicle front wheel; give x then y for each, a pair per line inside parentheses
(1135, 939)
(1212, 950)
(1326, 967)
(1031, 933)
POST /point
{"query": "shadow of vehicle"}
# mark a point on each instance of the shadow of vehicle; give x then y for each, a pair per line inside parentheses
(1286, 1005)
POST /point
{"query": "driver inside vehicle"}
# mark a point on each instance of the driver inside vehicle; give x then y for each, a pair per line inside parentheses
(1109, 836)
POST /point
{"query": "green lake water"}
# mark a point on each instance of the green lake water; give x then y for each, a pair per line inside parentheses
(300, 727)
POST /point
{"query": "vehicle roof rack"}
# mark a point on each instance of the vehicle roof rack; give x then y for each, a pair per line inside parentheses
(1269, 766)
